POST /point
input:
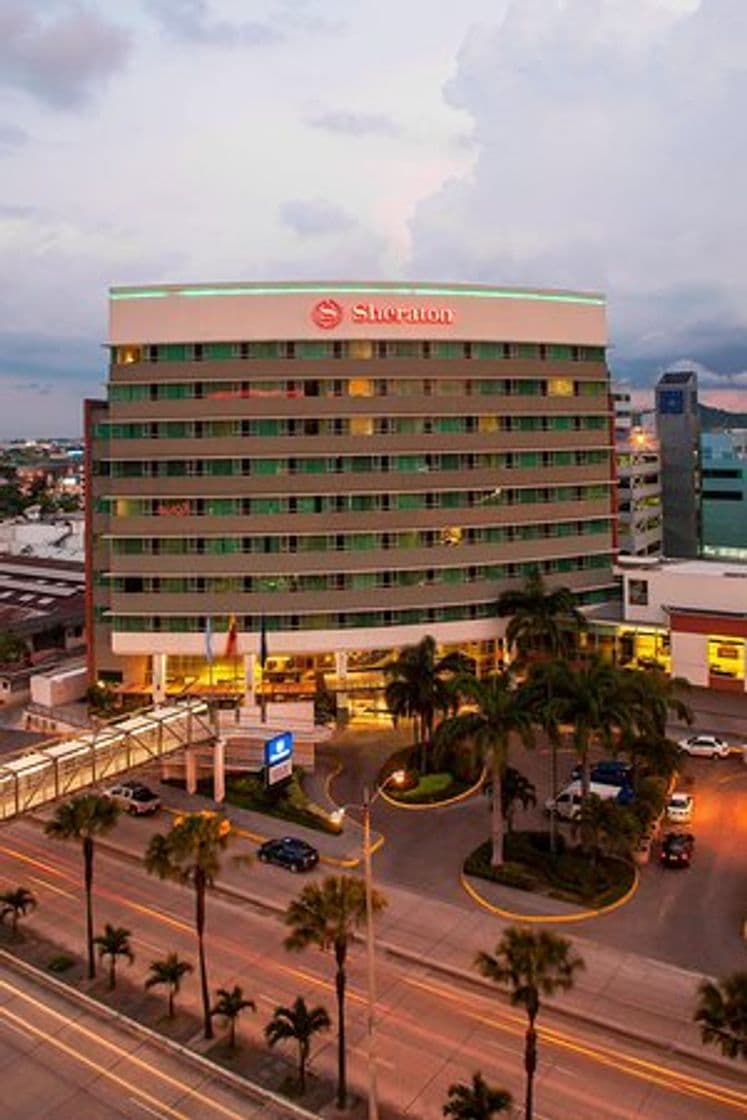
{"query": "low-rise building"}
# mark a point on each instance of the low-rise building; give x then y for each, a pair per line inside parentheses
(724, 494)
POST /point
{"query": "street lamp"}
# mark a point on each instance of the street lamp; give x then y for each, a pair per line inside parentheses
(397, 777)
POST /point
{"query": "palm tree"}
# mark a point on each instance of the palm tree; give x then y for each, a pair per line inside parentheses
(652, 696)
(722, 1014)
(501, 713)
(83, 819)
(15, 904)
(229, 1006)
(418, 688)
(541, 621)
(299, 1023)
(189, 853)
(594, 700)
(169, 971)
(112, 943)
(516, 789)
(606, 827)
(478, 1101)
(539, 685)
(530, 964)
(327, 914)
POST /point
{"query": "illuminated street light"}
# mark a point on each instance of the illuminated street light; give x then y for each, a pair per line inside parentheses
(397, 777)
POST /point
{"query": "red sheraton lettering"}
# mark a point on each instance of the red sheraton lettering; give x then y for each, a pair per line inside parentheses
(390, 313)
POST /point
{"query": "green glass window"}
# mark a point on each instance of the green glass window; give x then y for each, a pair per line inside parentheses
(591, 388)
(312, 350)
(219, 467)
(363, 541)
(265, 350)
(312, 466)
(494, 387)
(303, 505)
(528, 350)
(560, 353)
(174, 392)
(528, 459)
(561, 423)
(448, 424)
(527, 387)
(362, 580)
(265, 466)
(362, 502)
(173, 352)
(221, 507)
(490, 350)
(449, 462)
(447, 349)
(562, 458)
(410, 501)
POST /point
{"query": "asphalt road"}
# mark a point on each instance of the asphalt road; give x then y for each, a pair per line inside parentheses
(58, 1061)
(690, 918)
(432, 1030)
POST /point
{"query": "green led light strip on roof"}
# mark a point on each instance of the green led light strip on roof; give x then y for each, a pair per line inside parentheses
(358, 289)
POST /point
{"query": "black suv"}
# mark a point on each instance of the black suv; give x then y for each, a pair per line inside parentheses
(289, 852)
(677, 849)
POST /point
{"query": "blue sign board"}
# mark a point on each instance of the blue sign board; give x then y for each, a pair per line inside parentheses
(279, 748)
(671, 401)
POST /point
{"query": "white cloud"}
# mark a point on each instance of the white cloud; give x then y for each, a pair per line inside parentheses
(607, 158)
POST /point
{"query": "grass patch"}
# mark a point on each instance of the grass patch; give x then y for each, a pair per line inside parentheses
(288, 803)
(61, 963)
(430, 789)
(569, 875)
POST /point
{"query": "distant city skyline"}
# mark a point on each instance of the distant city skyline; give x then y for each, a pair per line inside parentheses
(517, 142)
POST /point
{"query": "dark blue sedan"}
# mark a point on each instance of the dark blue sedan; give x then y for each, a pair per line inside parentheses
(289, 852)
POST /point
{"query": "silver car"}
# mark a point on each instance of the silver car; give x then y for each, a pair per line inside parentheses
(706, 746)
(135, 798)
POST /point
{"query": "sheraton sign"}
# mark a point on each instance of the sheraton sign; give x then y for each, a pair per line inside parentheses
(328, 314)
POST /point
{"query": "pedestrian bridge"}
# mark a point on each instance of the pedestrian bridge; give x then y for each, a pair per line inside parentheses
(32, 778)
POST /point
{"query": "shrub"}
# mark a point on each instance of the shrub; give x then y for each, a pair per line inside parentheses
(61, 963)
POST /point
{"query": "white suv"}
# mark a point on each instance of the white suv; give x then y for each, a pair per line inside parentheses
(709, 746)
(134, 798)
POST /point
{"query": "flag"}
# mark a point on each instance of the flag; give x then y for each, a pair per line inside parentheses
(232, 638)
(262, 642)
(209, 640)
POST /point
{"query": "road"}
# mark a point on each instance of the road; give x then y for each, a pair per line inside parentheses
(433, 1030)
(60, 1061)
(692, 919)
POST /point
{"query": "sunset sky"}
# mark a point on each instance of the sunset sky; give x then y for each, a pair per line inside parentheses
(572, 143)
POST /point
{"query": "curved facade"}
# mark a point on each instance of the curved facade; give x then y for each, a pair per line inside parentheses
(344, 466)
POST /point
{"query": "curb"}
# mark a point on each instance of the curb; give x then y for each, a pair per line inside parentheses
(580, 916)
(206, 1065)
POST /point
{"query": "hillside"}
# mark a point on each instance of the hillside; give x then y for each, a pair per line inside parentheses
(713, 419)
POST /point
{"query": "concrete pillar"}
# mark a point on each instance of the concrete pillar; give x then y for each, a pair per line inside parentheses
(341, 672)
(158, 679)
(250, 660)
(219, 770)
(190, 769)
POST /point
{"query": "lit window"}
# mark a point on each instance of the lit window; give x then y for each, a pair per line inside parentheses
(559, 387)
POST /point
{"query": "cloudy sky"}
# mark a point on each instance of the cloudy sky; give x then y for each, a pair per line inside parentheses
(589, 143)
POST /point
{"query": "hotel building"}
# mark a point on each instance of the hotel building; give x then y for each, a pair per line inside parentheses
(345, 467)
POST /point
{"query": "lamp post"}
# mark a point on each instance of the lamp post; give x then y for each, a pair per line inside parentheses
(395, 778)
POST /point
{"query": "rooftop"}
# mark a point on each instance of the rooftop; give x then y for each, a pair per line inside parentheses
(712, 568)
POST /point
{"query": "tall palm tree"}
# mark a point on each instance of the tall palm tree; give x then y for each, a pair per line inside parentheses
(516, 789)
(722, 1014)
(540, 684)
(327, 914)
(113, 943)
(15, 904)
(169, 971)
(594, 700)
(530, 964)
(478, 1101)
(83, 819)
(542, 622)
(501, 713)
(299, 1023)
(418, 688)
(228, 1006)
(189, 853)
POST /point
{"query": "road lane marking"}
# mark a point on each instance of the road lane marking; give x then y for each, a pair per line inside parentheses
(15, 854)
(50, 887)
(639, 1068)
(50, 1039)
(105, 1044)
(146, 1107)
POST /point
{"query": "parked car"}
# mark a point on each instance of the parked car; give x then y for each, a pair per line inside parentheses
(289, 852)
(135, 798)
(567, 804)
(677, 849)
(680, 807)
(610, 772)
(707, 746)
